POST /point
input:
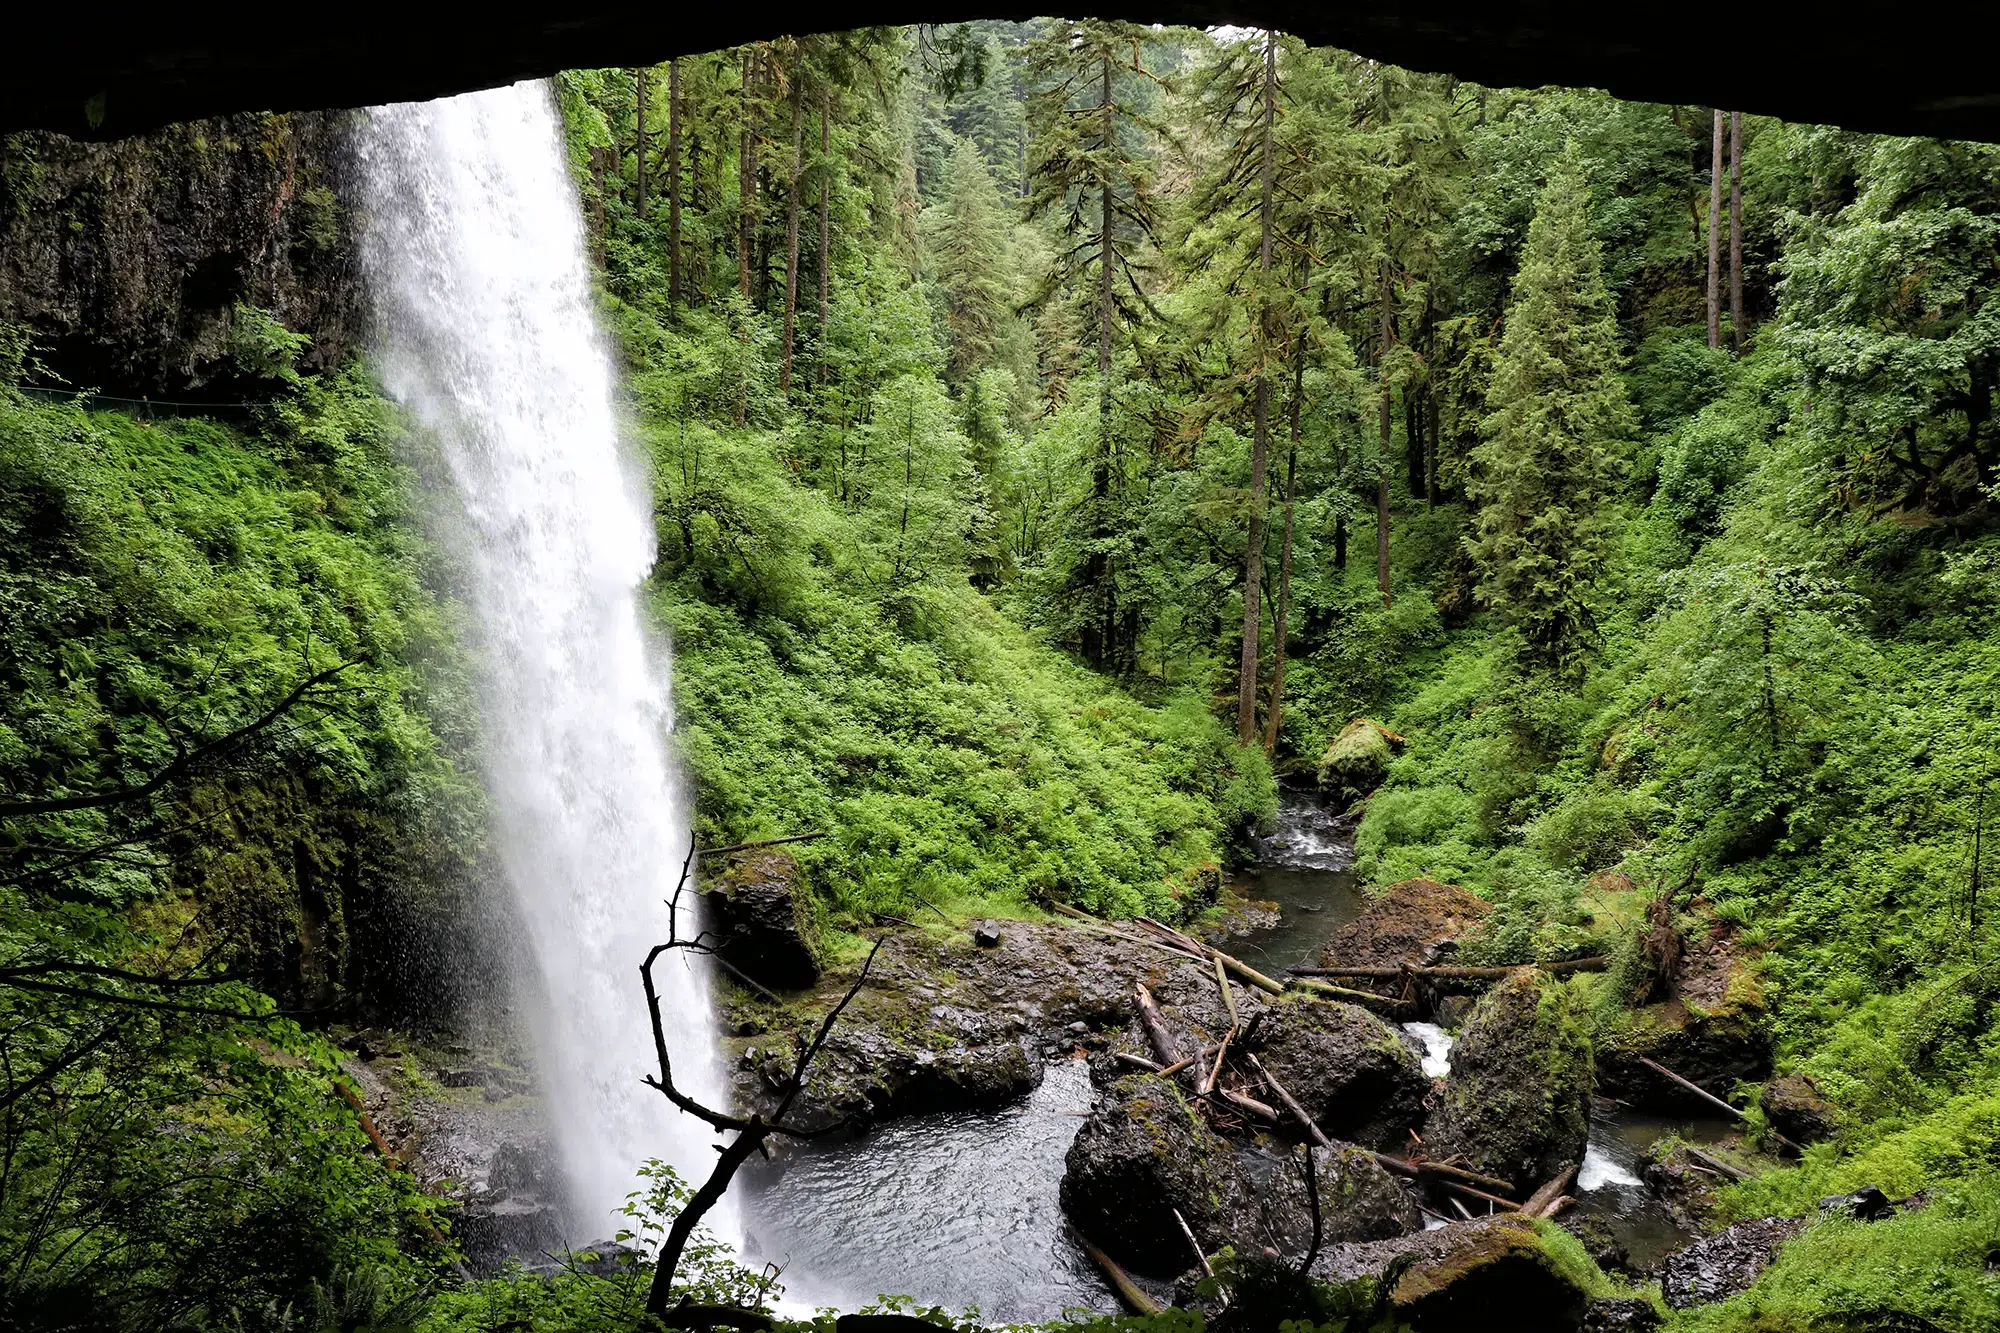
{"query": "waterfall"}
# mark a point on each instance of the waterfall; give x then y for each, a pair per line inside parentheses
(474, 248)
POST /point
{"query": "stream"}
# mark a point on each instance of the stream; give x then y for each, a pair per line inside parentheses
(962, 1210)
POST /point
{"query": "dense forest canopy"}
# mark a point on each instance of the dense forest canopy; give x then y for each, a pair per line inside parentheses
(1058, 434)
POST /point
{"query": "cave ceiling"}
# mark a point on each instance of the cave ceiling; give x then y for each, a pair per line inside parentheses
(107, 71)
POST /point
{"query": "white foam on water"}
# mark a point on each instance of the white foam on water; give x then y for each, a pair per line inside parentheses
(1437, 1044)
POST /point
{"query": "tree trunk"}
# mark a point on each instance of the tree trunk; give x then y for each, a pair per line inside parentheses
(792, 204)
(1736, 229)
(746, 177)
(639, 99)
(739, 1150)
(1715, 237)
(825, 230)
(1098, 629)
(1282, 620)
(1388, 333)
(1253, 544)
(674, 184)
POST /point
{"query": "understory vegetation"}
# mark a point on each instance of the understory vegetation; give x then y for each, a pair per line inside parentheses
(1058, 433)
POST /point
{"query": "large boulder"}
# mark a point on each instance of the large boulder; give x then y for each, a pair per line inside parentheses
(1517, 1103)
(1358, 1078)
(1711, 1030)
(1418, 922)
(1798, 1111)
(1143, 1153)
(1358, 1200)
(1357, 760)
(765, 920)
(1494, 1275)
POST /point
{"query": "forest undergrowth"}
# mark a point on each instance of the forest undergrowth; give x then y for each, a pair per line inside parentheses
(1058, 433)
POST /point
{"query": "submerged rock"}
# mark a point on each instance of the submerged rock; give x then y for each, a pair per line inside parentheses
(1142, 1154)
(1721, 1265)
(1517, 1102)
(1357, 1077)
(1797, 1110)
(766, 921)
(1492, 1275)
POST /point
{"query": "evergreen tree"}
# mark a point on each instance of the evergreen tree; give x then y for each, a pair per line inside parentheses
(1557, 415)
(967, 245)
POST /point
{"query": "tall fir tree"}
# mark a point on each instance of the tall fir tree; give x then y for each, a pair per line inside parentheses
(966, 242)
(1558, 417)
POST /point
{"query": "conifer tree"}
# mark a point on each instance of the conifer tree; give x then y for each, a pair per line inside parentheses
(1557, 416)
(968, 251)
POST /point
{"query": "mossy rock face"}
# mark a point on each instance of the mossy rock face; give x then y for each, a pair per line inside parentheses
(767, 921)
(1713, 1031)
(1798, 1110)
(1494, 1275)
(1358, 1200)
(1356, 1076)
(1357, 760)
(1517, 1104)
(1142, 1154)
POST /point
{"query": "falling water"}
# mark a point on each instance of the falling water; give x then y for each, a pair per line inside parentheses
(475, 251)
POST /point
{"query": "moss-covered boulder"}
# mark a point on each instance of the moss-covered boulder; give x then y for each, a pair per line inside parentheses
(1517, 1103)
(766, 920)
(1798, 1110)
(1713, 1029)
(1357, 760)
(1144, 1152)
(1358, 1200)
(1358, 1078)
(1493, 1275)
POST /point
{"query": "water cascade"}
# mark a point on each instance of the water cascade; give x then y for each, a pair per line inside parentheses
(474, 246)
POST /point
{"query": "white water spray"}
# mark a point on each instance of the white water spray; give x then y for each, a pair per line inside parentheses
(475, 250)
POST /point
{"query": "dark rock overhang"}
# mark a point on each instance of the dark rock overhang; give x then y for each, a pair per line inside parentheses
(105, 71)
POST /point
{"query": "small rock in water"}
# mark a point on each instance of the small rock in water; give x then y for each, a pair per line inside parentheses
(987, 936)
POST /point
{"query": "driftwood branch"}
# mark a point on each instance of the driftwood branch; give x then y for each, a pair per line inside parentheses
(764, 842)
(1543, 1201)
(1705, 1095)
(1128, 1291)
(1291, 1104)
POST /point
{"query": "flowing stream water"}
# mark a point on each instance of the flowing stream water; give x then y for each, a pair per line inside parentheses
(474, 248)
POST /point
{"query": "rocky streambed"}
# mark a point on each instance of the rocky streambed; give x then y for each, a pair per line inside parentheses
(993, 1097)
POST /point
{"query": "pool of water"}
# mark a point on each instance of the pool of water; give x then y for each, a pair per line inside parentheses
(956, 1210)
(962, 1210)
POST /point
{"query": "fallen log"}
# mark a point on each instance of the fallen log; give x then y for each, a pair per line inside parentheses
(1425, 1167)
(1472, 1192)
(1452, 973)
(1128, 1291)
(1291, 1104)
(1715, 1163)
(1709, 1097)
(696, 1318)
(1166, 1048)
(1228, 995)
(1558, 1207)
(1241, 969)
(752, 846)
(1194, 1244)
(1249, 1104)
(1343, 993)
(1539, 1202)
(1215, 1070)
